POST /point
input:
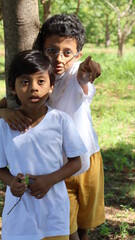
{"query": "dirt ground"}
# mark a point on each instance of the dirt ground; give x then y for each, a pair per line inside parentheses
(119, 207)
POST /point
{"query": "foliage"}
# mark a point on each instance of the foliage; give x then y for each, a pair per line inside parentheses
(93, 14)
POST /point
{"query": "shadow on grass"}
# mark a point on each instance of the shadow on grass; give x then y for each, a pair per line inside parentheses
(113, 230)
(119, 167)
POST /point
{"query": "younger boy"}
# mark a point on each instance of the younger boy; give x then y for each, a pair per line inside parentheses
(42, 211)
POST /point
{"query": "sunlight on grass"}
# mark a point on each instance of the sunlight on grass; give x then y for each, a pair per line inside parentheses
(2, 89)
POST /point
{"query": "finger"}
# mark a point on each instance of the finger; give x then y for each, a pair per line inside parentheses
(85, 64)
(12, 126)
(19, 125)
(99, 70)
(32, 176)
(35, 193)
(27, 121)
(39, 196)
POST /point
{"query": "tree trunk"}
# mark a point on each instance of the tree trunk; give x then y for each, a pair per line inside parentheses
(120, 47)
(107, 33)
(1, 10)
(46, 7)
(21, 25)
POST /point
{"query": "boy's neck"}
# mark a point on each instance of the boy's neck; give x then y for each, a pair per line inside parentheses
(36, 116)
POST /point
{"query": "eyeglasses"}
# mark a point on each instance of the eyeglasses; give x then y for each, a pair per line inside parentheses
(54, 52)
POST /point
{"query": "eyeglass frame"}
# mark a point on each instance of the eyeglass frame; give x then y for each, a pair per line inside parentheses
(60, 52)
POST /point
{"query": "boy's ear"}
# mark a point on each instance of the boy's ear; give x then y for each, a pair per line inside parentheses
(79, 55)
(51, 89)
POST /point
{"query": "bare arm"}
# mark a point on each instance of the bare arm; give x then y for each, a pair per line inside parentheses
(88, 71)
(5, 176)
(41, 184)
(3, 103)
(15, 118)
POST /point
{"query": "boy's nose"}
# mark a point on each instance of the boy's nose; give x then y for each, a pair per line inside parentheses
(34, 86)
(59, 56)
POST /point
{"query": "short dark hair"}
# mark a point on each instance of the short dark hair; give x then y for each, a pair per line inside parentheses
(28, 62)
(63, 25)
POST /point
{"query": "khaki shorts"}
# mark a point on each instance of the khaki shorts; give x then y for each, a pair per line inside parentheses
(86, 194)
(57, 238)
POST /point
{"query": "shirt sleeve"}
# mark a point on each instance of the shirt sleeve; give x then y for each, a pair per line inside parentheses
(72, 143)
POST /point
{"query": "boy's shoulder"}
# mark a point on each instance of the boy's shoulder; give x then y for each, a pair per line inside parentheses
(59, 114)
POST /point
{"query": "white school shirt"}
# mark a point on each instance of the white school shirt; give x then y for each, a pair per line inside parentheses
(69, 97)
(38, 151)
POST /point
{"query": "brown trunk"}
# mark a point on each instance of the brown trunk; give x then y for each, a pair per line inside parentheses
(107, 34)
(46, 7)
(21, 25)
(1, 10)
(120, 47)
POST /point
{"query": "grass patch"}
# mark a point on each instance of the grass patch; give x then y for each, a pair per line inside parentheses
(2, 89)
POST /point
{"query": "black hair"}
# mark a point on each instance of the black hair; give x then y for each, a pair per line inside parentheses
(28, 62)
(61, 25)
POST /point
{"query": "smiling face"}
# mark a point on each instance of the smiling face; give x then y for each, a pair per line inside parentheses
(33, 90)
(66, 49)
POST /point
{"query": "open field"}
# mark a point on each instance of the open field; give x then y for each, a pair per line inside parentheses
(113, 112)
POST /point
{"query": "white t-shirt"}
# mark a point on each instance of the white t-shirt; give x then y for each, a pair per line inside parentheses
(38, 151)
(69, 97)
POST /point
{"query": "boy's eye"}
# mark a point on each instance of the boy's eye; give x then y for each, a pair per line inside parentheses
(41, 82)
(67, 53)
(51, 50)
(24, 82)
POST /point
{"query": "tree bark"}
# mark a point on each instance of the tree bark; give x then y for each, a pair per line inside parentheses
(1, 10)
(21, 25)
(46, 8)
(107, 33)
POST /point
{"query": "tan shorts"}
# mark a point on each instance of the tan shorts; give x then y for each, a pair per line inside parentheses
(86, 194)
(57, 238)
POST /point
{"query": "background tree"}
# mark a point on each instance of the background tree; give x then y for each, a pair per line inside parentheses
(1, 10)
(21, 25)
(46, 8)
(125, 20)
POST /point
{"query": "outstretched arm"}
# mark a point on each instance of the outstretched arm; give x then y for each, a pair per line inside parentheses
(42, 183)
(88, 71)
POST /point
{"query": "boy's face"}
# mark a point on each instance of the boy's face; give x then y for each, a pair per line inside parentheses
(33, 89)
(62, 52)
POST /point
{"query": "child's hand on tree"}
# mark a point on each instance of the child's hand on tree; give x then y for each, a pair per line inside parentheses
(18, 185)
(88, 71)
(15, 119)
(40, 185)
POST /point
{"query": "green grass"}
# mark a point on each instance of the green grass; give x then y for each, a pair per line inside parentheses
(2, 89)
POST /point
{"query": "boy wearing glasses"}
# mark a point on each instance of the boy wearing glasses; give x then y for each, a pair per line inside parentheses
(61, 38)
